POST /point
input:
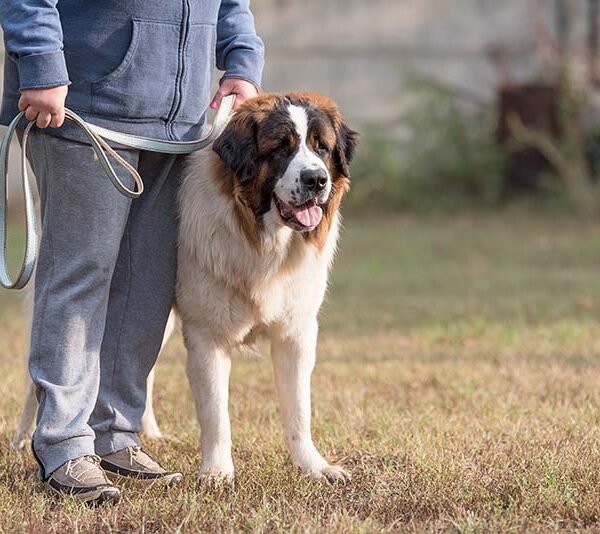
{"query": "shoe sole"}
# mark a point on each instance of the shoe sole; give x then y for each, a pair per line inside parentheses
(168, 480)
(95, 497)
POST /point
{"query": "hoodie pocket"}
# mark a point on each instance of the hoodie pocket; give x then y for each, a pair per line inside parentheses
(143, 84)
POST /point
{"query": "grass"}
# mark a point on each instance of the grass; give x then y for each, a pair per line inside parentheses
(458, 380)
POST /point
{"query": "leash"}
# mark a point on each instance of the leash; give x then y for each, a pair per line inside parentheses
(98, 138)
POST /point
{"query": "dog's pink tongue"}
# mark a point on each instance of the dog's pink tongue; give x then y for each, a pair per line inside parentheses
(309, 215)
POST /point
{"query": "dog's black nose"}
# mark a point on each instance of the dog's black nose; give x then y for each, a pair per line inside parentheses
(314, 179)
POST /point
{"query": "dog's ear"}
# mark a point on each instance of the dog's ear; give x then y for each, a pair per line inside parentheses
(346, 143)
(236, 146)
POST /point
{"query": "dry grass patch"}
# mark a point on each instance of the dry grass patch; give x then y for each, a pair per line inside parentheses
(458, 380)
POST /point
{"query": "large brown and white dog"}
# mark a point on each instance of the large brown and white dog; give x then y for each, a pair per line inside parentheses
(259, 224)
(258, 232)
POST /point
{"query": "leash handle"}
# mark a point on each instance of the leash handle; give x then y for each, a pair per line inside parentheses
(28, 263)
(98, 137)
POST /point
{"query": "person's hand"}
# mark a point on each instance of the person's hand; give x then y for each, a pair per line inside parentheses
(44, 106)
(242, 90)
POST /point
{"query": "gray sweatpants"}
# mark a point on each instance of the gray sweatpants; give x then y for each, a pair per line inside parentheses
(104, 286)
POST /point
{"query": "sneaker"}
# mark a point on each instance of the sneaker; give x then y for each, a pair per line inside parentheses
(83, 479)
(135, 463)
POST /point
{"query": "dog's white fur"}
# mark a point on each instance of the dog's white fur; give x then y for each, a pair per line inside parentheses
(228, 292)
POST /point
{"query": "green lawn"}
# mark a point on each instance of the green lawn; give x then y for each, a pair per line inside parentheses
(458, 380)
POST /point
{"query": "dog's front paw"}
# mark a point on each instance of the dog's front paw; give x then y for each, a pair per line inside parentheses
(215, 477)
(334, 474)
(20, 442)
(154, 434)
(150, 427)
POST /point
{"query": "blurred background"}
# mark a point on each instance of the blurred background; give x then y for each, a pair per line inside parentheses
(431, 85)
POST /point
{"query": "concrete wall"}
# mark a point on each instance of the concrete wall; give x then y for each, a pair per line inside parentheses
(362, 51)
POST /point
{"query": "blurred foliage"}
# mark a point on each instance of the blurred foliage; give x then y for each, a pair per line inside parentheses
(442, 157)
(573, 156)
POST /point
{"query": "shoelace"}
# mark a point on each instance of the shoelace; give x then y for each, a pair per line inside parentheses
(94, 462)
(134, 452)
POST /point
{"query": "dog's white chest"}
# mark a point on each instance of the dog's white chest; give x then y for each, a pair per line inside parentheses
(293, 296)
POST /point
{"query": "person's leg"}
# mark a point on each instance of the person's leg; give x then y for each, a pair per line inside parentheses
(83, 218)
(141, 297)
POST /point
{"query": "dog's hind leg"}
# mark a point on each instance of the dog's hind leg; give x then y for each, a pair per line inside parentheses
(208, 369)
(27, 421)
(30, 404)
(150, 427)
(294, 358)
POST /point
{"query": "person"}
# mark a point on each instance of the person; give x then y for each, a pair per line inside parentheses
(106, 270)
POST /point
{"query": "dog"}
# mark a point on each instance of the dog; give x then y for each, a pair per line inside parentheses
(259, 225)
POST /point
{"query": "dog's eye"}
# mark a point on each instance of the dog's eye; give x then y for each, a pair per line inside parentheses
(282, 148)
(320, 148)
(273, 146)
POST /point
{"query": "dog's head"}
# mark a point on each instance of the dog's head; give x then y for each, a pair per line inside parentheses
(289, 156)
